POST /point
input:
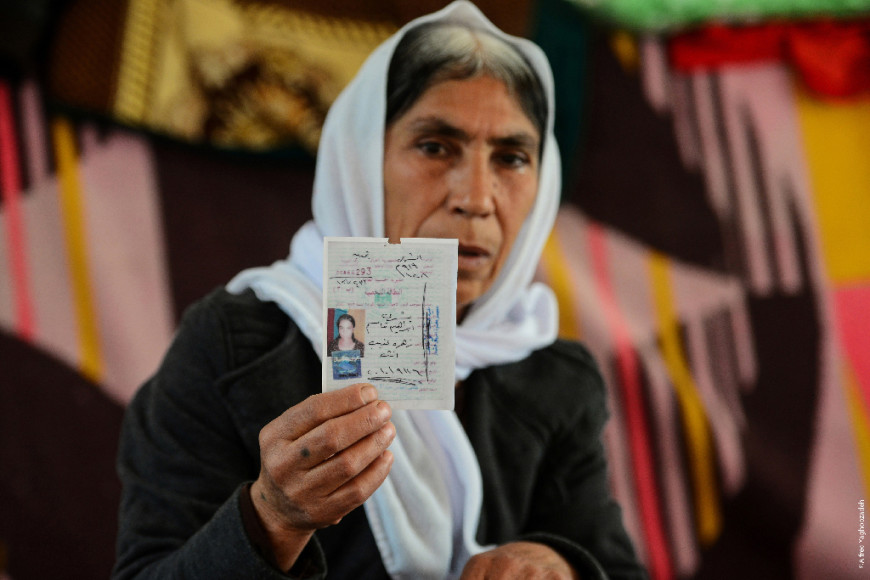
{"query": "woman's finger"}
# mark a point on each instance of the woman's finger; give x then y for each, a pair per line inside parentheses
(357, 490)
(322, 496)
(316, 410)
(519, 560)
(339, 434)
(350, 463)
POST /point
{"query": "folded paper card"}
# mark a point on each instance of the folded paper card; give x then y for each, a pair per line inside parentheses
(389, 316)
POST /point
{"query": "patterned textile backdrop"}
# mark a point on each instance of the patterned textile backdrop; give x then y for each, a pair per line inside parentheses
(713, 251)
(714, 255)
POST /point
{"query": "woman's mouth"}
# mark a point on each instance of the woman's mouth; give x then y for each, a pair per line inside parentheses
(473, 257)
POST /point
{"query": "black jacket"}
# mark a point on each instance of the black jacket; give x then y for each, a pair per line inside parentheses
(189, 447)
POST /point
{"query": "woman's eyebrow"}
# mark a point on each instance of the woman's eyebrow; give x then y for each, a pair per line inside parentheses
(521, 140)
(439, 126)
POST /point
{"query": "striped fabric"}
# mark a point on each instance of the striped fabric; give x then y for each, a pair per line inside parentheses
(11, 188)
(81, 244)
(715, 257)
(713, 365)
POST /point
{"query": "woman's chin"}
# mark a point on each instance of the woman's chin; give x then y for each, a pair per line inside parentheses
(467, 291)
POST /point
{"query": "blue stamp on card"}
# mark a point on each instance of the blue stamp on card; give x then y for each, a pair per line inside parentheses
(346, 364)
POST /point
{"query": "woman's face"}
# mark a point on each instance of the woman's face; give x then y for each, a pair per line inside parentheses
(345, 330)
(462, 163)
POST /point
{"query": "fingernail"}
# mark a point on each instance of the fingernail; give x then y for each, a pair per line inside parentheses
(368, 394)
(384, 410)
(389, 430)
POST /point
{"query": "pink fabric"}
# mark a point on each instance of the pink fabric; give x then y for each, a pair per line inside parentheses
(130, 281)
(659, 561)
(126, 259)
(10, 187)
(852, 305)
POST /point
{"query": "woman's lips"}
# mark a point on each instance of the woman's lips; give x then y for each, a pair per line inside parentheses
(473, 257)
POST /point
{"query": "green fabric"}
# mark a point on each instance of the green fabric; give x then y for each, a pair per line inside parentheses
(563, 34)
(665, 15)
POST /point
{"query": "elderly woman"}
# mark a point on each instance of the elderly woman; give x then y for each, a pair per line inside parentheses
(234, 464)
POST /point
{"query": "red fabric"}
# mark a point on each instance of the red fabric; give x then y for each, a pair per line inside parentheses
(832, 57)
(718, 45)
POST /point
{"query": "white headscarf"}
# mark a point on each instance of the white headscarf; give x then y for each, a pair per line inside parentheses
(425, 516)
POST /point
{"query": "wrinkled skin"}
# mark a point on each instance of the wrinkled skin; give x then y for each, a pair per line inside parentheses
(320, 459)
(462, 163)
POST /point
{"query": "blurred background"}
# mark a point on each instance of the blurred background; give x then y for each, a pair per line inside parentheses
(713, 248)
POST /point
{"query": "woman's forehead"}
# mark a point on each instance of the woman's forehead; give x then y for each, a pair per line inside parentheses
(448, 101)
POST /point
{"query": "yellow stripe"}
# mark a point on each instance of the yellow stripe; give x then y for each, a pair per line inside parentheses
(136, 66)
(556, 269)
(72, 210)
(836, 140)
(624, 46)
(860, 428)
(697, 428)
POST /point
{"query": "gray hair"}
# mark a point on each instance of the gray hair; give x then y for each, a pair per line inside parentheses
(438, 52)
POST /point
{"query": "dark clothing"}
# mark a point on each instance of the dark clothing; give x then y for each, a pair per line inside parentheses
(189, 447)
(357, 345)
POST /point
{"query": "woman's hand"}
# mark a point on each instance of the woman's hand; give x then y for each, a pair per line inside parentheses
(319, 460)
(527, 560)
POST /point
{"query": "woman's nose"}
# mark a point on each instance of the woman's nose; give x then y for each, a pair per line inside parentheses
(473, 187)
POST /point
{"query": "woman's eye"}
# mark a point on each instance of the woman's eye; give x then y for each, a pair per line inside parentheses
(433, 148)
(514, 159)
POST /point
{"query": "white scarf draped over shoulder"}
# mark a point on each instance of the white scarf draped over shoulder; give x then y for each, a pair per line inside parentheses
(424, 517)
